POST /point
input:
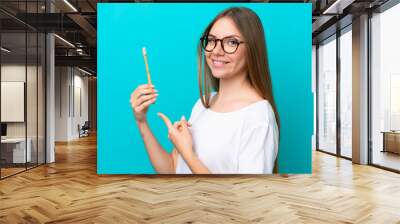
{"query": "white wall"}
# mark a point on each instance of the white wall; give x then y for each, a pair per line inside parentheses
(80, 103)
(13, 100)
(71, 94)
(314, 91)
(61, 103)
(12, 73)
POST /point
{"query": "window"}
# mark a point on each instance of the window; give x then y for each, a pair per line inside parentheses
(385, 88)
(327, 95)
(346, 92)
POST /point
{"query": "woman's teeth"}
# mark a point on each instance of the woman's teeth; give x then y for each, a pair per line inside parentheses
(218, 63)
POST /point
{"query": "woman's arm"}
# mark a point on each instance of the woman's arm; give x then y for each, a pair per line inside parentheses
(180, 136)
(141, 99)
(161, 160)
(195, 164)
(174, 155)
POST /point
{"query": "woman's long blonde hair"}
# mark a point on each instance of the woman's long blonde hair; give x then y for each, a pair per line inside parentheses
(250, 26)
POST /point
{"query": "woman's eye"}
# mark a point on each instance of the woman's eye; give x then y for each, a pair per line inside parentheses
(233, 42)
(211, 40)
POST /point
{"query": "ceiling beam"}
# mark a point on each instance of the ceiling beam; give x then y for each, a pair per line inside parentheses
(86, 26)
(82, 61)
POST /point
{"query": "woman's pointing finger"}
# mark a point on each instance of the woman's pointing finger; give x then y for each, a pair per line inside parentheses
(166, 120)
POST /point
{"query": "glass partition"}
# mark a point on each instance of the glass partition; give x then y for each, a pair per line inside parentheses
(14, 153)
(22, 77)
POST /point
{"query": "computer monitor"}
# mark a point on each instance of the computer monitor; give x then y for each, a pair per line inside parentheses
(3, 129)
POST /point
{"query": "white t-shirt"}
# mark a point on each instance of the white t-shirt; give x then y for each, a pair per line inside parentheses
(244, 141)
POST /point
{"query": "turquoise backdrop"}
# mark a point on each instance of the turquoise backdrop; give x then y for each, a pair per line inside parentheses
(171, 32)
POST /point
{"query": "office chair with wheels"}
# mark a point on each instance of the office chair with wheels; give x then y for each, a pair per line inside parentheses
(84, 130)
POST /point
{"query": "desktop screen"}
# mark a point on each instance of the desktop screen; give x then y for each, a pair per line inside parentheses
(3, 129)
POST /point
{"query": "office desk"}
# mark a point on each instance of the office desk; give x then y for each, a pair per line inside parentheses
(15, 148)
(391, 141)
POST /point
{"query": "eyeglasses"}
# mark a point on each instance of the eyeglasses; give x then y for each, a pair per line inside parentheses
(229, 44)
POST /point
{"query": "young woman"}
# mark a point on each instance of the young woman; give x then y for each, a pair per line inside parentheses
(233, 130)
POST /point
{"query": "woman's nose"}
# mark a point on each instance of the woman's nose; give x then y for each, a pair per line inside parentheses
(218, 49)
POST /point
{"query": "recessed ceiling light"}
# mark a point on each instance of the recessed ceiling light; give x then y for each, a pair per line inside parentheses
(70, 5)
(84, 71)
(337, 7)
(64, 40)
(5, 50)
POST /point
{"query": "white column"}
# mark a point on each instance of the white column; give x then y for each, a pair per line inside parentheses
(360, 90)
(50, 93)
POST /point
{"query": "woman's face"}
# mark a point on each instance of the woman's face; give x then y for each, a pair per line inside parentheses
(222, 64)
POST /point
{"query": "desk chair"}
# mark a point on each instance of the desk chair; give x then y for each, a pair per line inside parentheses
(84, 130)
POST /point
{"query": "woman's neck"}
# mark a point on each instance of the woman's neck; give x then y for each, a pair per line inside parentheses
(234, 88)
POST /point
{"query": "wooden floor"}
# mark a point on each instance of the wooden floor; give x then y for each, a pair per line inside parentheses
(387, 159)
(5, 172)
(70, 191)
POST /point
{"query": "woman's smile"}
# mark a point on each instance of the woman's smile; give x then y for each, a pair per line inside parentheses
(219, 63)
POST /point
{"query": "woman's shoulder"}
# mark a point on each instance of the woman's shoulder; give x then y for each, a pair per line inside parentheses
(259, 113)
(197, 109)
(199, 105)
